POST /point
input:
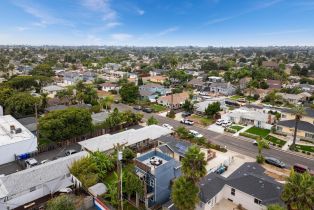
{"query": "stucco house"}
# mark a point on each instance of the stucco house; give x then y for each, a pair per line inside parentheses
(174, 101)
(305, 129)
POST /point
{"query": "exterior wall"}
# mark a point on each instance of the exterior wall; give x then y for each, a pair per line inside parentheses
(40, 191)
(8, 151)
(290, 132)
(247, 201)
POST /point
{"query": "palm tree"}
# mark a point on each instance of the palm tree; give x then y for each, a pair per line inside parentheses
(261, 143)
(298, 111)
(184, 194)
(298, 191)
(106, 102)
(193, 164)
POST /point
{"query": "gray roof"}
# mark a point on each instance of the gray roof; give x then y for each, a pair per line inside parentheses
(222, 85)
(249, 178)
(302, 125)
(24, 180)
(106, 142)
(144, 92)
(175, 145)
(29, 123)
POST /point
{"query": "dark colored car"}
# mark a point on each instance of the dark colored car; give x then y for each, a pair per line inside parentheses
(275, 162)
(302, 169)
(137, 107)
(148, 110)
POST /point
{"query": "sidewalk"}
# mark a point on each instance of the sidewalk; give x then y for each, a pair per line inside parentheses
(242, 130)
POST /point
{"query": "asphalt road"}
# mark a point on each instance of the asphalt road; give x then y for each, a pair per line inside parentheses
(240, 144)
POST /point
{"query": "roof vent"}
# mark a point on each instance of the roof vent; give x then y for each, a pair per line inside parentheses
(12, 129)
(18, 130)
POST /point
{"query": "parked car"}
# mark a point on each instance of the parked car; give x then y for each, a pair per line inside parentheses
(116, 101)
(70, 152)
(167, 126)
(219, 122)
(226, 123)
(147, 110)
(275, 162)
(187, 122)
(196, 134)
(255, 143)
(301, 168)
(137, 107)
(185, 114)
(30, 162)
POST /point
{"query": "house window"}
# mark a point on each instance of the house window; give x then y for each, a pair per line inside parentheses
(32, 189)
(309, 135)
(152, 183)
(232, 191)
(257, 201)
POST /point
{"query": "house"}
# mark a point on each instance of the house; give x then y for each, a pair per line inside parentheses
(158, 79)
(52, 90)
(201, 106)
(196, 83)
(108, 86)
(70, 78)
(248, 186)
(157, 170)
(305, 129)
(243, 82)
(157, 72)
(261, 92)
(247, 116)
(176, 148)
(143, 137)
(287, 114)
(151, 91)
(270, 64)
(88, 76)
(296, 98)
(32, 186)
(222, 88)
(274, 84)
(173, 101)
(215, 79)
(15, 139)
(307, 88)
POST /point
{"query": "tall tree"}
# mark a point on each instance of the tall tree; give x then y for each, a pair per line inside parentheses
(194, 164)
(212, 109)
(261, 143)
(43, 70)
(129, 92)
(106, 102)
(298, 111)
(21, 104)
(298, 192)
(184, 194)
(188, 106)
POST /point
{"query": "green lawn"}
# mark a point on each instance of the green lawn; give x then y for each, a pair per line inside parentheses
(306, 148)
(158, 108)
(258, 131)
(237, 127)
(275, 140)
(236, 97)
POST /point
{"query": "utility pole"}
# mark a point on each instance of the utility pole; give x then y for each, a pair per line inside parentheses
(119, 148)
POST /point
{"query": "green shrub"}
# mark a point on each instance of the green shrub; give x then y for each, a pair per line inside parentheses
(260, 159)
(171, 114)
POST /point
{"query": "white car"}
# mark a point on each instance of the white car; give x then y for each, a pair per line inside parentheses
(65, 190)
(31, 162)
(196, 134)
(219, 122)
(187, 122)
(44, 161)
(226, 123)
(167, 126)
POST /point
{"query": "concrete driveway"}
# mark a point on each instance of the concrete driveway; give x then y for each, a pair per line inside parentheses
(216, 128)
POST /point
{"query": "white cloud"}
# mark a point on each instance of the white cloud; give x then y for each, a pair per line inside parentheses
(121, 37)
(113, 24)
(45, 17)
(140, 11)
(20, 28)
(102, 6)
(167, 31)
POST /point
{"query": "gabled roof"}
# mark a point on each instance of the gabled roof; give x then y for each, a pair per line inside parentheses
(175, 145)
(24, 180)
(248, 178)
(302, 125)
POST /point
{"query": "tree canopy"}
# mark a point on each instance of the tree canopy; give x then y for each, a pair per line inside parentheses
(129, 92)
(65, 124)
(21, 104)
(152, 121)
(212, 109)
(62, 202)
(43, 70)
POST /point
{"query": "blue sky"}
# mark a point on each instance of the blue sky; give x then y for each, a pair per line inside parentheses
(157, 22)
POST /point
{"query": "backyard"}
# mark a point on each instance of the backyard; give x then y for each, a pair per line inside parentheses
(258, 131)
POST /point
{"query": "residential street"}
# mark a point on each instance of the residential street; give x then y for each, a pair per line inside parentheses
(241, 145)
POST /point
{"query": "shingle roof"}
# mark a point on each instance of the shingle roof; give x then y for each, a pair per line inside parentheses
(302, 125)
(177, 146)
(249, 178)
(28, 178)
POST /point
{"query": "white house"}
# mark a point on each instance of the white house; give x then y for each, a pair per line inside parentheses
(15, 139)
(248, 186)
(108, 86)
(52, 90)
(25, 187)
(251, 117)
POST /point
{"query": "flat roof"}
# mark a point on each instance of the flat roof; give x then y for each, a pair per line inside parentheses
(6, 137)
(106, 142)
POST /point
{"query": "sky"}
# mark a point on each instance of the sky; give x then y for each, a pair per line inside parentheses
(220, 23)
